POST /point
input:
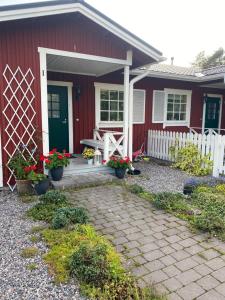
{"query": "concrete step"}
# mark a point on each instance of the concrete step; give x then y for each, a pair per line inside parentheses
(84, 169)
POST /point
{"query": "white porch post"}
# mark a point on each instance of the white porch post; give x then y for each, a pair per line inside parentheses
(126, 108)
(44, 102)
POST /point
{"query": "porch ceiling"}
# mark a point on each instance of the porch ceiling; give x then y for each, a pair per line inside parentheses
(82, 66)
(217, 85)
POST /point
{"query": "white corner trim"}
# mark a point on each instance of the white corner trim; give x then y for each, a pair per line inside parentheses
(69, 86)
(89, 13)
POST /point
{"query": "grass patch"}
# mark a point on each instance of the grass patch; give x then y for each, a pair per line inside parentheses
(28, 198)
(37, 229)
(29, 252)
(32, 267)
(35, 238)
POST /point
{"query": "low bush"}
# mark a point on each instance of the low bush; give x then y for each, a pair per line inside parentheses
(220, 188)
(66, 216)
(171, 202)
(53, 197)
(136, 189)
(190, 160)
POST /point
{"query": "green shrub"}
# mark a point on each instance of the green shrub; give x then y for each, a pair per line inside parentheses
(44, 211)
(53, 197)
(220, 188)
(136, 189)
(66, 216)
(204, 189)
(190, 160)
(209, 221)
(171, 201)
(29, 252)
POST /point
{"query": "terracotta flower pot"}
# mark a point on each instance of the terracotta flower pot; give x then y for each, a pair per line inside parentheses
(24, 187)
(57, 173)
(120, 173)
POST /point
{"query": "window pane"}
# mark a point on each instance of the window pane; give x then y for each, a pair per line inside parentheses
(170, 96)
(177, 98)
(176, 117)
(183, 116)
(55, 114)
(104, 116)
(184, 98)
(104, 95)
(55, 97)
(120, 95)
(49, 113)
(176, 107)
(120, 105)
(113, 95)
(55, 105)
(183, 108)
(170, 107)
(113, 105)
(120, 116)
(169, 116)
(113, 116)
(104, 105)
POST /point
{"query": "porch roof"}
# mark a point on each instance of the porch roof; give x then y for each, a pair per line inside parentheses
(83, 64)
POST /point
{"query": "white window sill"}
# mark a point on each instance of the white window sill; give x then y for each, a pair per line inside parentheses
(110, 124)
(168, 124)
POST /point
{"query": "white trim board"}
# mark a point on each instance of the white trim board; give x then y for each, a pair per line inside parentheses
(91, 14)
(69, 86)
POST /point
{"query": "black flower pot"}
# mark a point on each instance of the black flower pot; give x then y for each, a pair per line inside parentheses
(42, 187)
(57, 173)
(120, 173)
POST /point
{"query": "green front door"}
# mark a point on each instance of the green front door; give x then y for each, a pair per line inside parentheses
(58, 117)
(212, 113)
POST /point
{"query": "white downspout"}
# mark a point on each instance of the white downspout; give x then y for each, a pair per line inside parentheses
(131, 98)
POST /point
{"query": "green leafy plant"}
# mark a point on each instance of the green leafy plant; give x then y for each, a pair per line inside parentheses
(55, 159)
(36, 177)
(88, 153)
(44, 211)
(136, 189)
(66, 216)
(190, 160)
(29, 252)
(171, 202)
(20, 165)
(220, 188)
(54, 197)
(116, 162)
(32, 267)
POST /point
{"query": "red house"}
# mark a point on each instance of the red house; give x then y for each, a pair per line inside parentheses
(69, 76)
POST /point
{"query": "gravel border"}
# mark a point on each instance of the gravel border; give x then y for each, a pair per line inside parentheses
(16, 281)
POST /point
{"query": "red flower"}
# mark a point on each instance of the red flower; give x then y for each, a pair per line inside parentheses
(47, 161)
(33, 168)
(103, 161)
(42, 157)
(67, 154)
(27, 169)
(53, 151)
(60, 157)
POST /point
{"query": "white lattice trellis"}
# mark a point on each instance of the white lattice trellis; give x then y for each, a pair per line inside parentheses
(19, 115)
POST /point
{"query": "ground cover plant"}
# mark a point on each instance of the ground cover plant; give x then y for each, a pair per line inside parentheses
(204, 209)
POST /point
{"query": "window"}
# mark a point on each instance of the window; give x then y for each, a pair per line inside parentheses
(171, 107)
(53, 106)
(109, 105)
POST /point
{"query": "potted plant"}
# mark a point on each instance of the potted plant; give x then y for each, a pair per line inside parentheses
(40, 182)
(120, 165)
(20, 165)
(55, 162)
(88, 154)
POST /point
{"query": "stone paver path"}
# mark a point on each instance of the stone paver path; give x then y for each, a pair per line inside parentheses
(160, 248)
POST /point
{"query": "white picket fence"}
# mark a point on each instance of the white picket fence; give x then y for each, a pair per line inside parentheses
(159, 143)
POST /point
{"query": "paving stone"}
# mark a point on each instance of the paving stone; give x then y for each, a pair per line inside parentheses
(140, 271)
(173, 239)
(154, 265)
(190, 291)
(172, 232)
(135, 236)
(172, 284)
(221, 289)
(188, 276)
(186, 264)
(140, 260)
(120, 240)
(173, 296)
(219, 274)
(133, 252)
(211, 295)
(203, 269)
(216, 263)
(131, 230)
(155, 277)
(194, 249)
(180, 255)
(161, 243)
(156, 254)
(210, 254)
(131, 245)
(176, 246)
(188, 242)
(168, 260)
(208, 282)
(161, 289)
(171, 271)
(167, 250)
(148, 247)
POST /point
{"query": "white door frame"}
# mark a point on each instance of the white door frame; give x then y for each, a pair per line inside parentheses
(204, 110)
(69, 86)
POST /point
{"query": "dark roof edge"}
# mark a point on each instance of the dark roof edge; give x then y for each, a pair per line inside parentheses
(63, 2)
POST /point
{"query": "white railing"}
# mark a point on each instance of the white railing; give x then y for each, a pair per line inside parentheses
(207, 130)
(159, 143)
(111, 141)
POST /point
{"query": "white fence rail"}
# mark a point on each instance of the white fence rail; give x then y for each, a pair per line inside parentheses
(159, 143)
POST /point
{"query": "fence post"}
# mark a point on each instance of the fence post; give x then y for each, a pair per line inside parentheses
(106, 146)
(216, 159)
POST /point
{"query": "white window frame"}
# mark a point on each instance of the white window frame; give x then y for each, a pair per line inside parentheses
(188, 93)
(111, 86)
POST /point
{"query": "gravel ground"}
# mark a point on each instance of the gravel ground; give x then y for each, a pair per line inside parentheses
(158, 178)
(16, 281)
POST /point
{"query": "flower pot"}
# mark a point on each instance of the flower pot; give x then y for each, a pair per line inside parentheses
(56, 173)
(120, 173)
(24, 187)
(90, 161)
(42, 186)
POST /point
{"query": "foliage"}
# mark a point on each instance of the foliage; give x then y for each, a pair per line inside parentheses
(44, 211)
(20, 166)
(32, 267)
(92, 259)
(66, 216)
(204, 61)
(88, 153)
(220, 188)
(29, 252)
(36, 177)
(190, 160)
(55, 159)
(203, 189)
(136, 189)
(119, 162)
(54, 197)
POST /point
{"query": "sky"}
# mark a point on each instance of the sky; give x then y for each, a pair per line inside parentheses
(178, 28)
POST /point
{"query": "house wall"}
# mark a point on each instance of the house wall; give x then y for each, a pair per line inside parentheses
(84, 109)
(19, 44)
